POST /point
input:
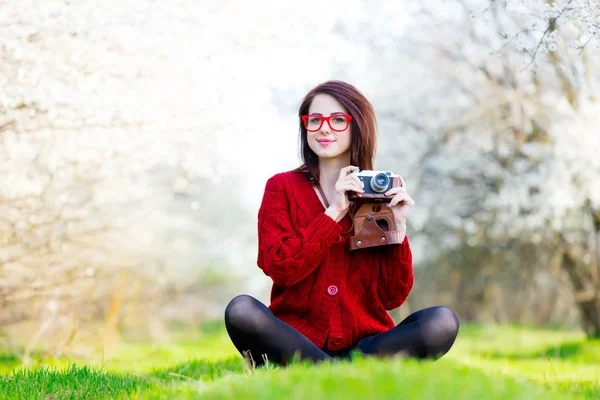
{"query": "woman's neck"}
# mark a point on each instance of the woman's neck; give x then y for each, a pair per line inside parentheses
(329, 170)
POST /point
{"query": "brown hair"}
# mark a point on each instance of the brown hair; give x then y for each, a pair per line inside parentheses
(364, 127)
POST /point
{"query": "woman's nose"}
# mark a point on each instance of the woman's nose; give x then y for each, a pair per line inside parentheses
(325, 128)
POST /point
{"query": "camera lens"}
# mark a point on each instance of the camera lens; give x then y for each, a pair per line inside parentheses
(380, 182)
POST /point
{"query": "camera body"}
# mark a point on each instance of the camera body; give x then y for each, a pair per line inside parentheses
(375, 184)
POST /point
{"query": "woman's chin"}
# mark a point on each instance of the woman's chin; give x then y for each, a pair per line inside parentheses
(328, 153)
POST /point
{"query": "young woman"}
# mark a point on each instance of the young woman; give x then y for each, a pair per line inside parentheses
(328, 301)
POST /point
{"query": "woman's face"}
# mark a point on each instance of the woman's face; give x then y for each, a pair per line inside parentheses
(325, 142)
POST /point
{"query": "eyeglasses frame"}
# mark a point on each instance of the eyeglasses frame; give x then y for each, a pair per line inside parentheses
(328, 119)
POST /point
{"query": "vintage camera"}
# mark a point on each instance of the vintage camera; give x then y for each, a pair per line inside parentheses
(375, 184)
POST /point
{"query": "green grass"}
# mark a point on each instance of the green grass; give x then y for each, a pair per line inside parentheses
(486, 363)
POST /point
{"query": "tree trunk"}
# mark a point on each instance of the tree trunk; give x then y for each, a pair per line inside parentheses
(595, 214)
(586, 292)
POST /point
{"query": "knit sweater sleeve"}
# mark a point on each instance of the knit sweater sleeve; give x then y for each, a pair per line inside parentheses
(396, 274)
(287, 253)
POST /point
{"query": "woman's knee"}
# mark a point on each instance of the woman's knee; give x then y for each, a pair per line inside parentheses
(445, 322)
(239, 310)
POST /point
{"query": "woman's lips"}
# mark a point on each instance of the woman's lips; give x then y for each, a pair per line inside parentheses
(325, 143)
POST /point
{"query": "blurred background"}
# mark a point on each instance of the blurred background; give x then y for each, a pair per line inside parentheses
(136, 138)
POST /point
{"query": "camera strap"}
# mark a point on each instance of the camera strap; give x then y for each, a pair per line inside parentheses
(323, 196)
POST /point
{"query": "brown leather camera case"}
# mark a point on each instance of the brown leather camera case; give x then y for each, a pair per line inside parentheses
(367, 229)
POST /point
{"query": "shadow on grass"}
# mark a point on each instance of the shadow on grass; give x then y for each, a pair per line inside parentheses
(9, 359)
(199, 369)
(581, 351)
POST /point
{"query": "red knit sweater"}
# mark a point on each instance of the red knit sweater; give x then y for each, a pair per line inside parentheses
(332, 295)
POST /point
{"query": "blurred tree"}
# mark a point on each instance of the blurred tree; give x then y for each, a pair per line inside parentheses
(110, 182)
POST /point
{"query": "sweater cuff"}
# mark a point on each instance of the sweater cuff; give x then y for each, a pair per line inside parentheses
(403, 252)
(326, 228)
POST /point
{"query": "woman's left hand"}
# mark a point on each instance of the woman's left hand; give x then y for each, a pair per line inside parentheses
(401, 203)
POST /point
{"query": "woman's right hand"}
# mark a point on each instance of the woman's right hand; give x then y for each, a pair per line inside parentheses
(346, 182)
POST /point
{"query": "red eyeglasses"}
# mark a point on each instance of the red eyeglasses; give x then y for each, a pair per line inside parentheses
(337, 122)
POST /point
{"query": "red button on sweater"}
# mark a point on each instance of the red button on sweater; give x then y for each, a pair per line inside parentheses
(300, 250)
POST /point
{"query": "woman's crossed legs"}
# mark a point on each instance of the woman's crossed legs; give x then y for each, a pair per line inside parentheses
(257, 333)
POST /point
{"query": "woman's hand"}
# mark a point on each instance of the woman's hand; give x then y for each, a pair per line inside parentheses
(346, 182)
(401, 203)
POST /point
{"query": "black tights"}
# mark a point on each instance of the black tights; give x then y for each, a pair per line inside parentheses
(253, 329)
